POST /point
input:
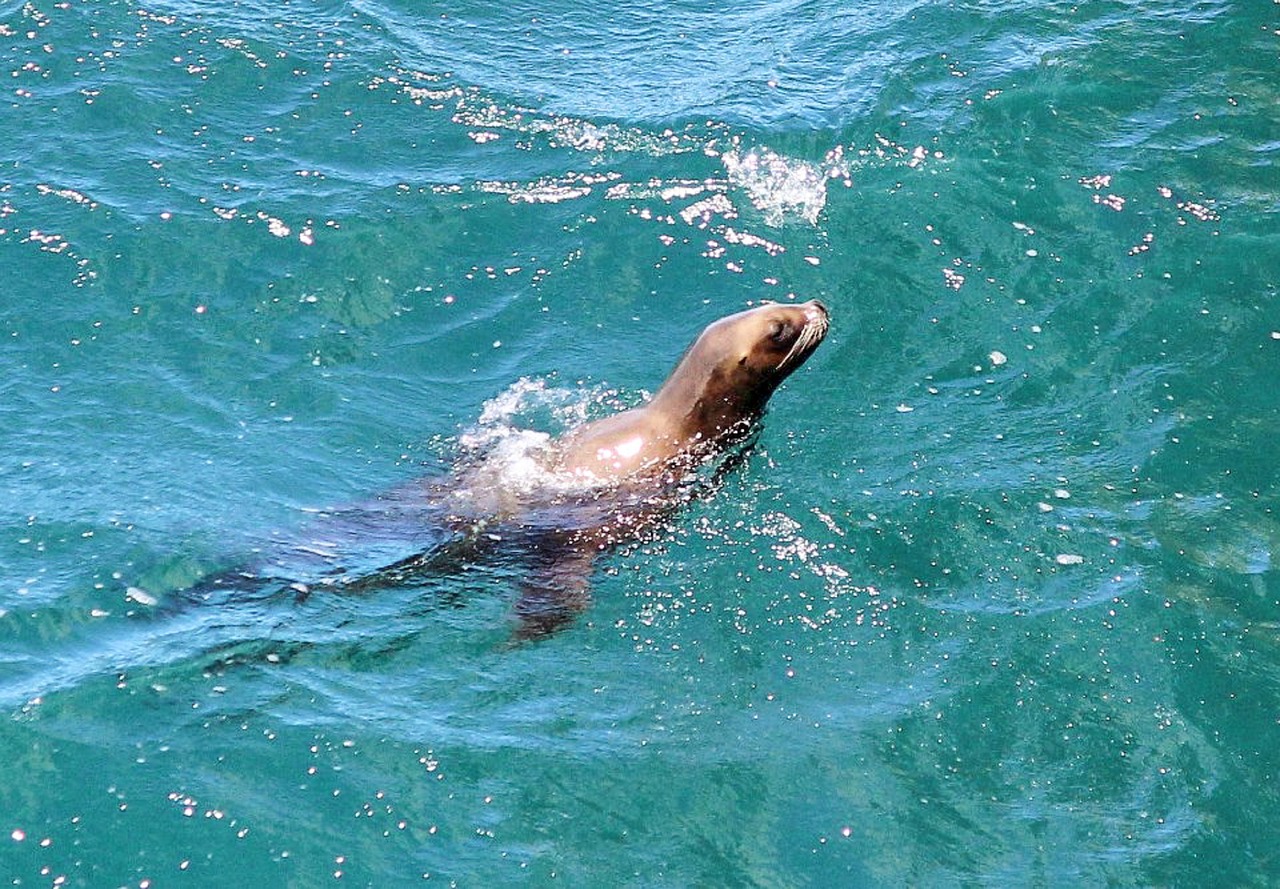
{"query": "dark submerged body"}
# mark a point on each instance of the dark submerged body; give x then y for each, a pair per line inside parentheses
(448, 526)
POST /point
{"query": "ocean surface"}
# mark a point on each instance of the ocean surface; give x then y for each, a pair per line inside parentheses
(993, 601)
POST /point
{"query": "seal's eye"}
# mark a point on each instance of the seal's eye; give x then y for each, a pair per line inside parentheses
(780, 333)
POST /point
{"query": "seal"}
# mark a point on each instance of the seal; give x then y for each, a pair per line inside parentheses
(553, 507)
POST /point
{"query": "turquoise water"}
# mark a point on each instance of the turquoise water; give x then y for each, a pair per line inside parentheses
(993, 601)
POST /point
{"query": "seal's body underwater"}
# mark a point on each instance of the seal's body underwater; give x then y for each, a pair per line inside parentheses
(599, 485)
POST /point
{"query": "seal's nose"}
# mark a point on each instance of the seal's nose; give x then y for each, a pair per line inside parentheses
(815, 308)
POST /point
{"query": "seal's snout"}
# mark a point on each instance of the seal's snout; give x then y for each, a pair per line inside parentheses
(816, 318)
(812, 332)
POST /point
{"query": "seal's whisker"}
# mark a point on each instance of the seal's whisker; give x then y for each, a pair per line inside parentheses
(809, 338)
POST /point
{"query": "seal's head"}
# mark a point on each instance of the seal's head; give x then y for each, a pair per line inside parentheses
(733, 367)
(776, 339)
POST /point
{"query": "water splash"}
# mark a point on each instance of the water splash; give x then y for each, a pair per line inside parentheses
(782, 187)
(511, 443)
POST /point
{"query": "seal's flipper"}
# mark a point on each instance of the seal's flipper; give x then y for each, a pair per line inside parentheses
(556, 590)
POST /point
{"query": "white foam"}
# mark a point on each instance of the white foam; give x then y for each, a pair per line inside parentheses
(518, 458)
(530, 401)
(777, 186)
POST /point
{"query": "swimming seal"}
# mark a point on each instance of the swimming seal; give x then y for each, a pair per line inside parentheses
(599, 485)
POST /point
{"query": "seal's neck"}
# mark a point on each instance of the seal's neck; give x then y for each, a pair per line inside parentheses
(702, 401)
